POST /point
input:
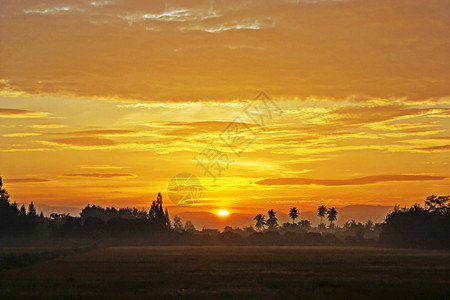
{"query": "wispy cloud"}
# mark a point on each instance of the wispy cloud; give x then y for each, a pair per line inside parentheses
(26, 180)
(52, 10)
(101, 175)
(21, 113)
(254, 25)
(342, 182)
(173, 15)
(101, 3)
(101, 167)
(442, 148)
(47, 126)
(83, 141)
(21, 134)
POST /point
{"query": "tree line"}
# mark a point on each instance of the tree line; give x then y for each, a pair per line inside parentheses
(294, 213)
(415, 227)
(15, 221)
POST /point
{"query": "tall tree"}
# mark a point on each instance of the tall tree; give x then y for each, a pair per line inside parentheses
(167, 218)
(32, 210)
(23, 211)
(294, 213)
(157, 216)
(260, 221)
(331, 215)
(321, 212)
(272, 222)
(177, 225)
(8, 213)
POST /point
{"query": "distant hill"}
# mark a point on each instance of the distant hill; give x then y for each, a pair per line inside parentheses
(360, 213)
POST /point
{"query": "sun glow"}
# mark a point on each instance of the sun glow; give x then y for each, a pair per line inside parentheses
(223, 213)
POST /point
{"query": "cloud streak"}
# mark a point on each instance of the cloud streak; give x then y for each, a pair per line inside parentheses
(101, 175)
(26, 180)
(20, 113)
(344, 182)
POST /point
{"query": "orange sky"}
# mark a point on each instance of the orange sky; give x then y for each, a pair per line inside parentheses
(105, 101)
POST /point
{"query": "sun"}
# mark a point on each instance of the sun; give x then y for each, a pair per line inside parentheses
(223, 212)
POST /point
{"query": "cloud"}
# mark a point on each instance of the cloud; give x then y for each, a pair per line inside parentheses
(254, 25)
(173, 15)
(21, 134)
(47, 126)
(93, 143)
(101, 3)
(358, 115)
(13, 149)
(341, 122)
(20, 113)
(100, 132)
(343, 182)
(185, 129)
(101, 175)
(335, 49)
(83, 141)
(104, 132)
(101, 167)
(443, 148)
(52, 10)
(181, 105)
(26, 180)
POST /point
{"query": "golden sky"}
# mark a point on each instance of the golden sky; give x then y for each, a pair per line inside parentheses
(105, 101)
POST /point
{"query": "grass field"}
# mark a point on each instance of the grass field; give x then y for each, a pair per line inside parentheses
(234, 272)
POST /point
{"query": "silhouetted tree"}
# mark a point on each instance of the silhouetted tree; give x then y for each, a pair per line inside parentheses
(272, 222)
(369, 225)
(9, 214)
(167, 218)
(23, 211)
(189, 227)
(332, 215)
(93, 227)
(419, 227)
(260, 221)
(304, 224)
(437, 203)
(177, 225)
(227, 229)
(248, 230)
(321, 212)
(294, 213)
(32, 210)
(158, 218)
(106, 214)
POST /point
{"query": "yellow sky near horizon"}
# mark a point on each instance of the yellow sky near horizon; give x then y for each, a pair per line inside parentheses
(105, 101)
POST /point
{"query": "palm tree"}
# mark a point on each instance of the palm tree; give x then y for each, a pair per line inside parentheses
(321, 212)
(260, 221)
(331, 215)
(272, 221)
(293, 213)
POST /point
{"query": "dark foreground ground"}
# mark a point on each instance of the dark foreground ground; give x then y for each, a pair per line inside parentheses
(229, 272)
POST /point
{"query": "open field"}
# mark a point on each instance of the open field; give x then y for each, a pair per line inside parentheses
(235, 272)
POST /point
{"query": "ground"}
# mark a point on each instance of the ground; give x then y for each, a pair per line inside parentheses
(232, 272)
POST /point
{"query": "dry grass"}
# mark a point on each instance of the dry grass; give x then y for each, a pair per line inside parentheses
(236, 273)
